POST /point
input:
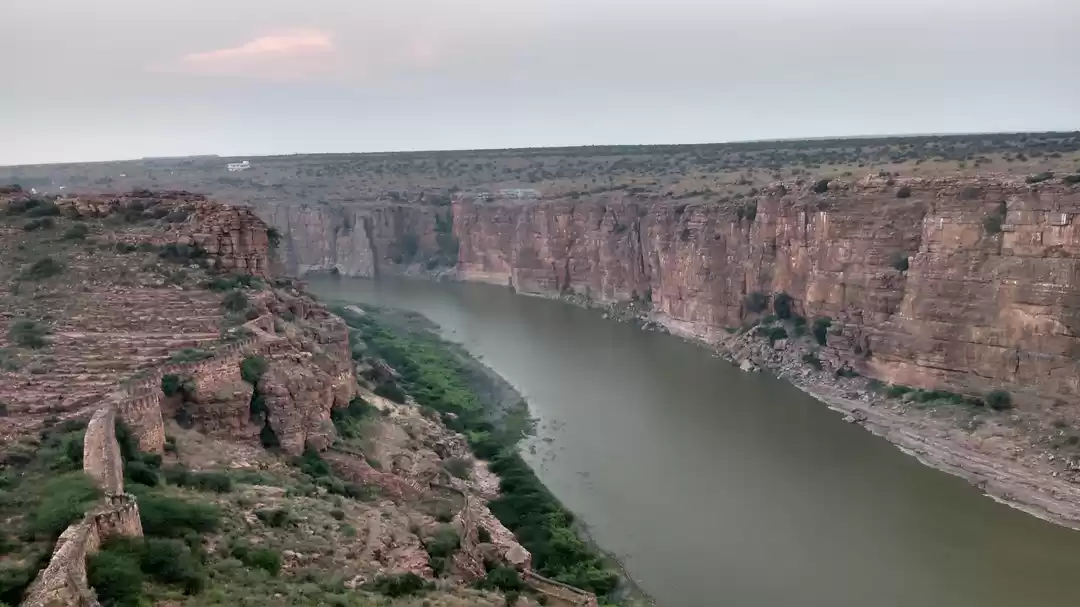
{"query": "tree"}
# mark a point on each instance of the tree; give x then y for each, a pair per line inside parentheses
(756, 302)
(783, 306)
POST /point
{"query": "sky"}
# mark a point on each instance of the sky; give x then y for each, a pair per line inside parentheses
(117, 79)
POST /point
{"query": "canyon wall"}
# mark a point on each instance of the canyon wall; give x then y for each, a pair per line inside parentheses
(965, 285)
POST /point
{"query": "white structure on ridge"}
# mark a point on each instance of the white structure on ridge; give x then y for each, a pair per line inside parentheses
(238, 166)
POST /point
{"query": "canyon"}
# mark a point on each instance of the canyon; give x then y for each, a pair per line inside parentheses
(966, 285)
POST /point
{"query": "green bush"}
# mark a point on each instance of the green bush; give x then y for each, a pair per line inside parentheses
(216, 482)
(821, 329)
(66, 499)
(189, 355)
(171, 385)
(811, 358)
(46, 267)
(505, 579)
(262, 558)
(756, 302)
(44, 223)
(28, 334)
(821, 186)
(252, 369)
(171, 561)
(994, 222)
(116, 578)
(483, 535)
(896, 391)
(76, 232)
(1071, 179)
(164, 516)
(998, 400)
(903, 192)
(783, 305)
(43, 208)
(458, 466)
(899, 261)
(392, 391)
(235, 301)
(138, 472)
(773, 333)
(182, 253)
(399, 585)
(1039, 177)
(441, 548)
(274, 517)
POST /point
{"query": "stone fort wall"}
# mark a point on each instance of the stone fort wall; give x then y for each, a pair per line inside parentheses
(63, 581)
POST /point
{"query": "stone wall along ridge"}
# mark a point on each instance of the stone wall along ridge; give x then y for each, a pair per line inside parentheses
(63, 581)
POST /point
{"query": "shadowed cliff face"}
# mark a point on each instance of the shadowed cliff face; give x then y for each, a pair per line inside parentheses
(924, 290)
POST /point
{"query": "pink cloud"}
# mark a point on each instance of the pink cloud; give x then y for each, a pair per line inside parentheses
(280, 45)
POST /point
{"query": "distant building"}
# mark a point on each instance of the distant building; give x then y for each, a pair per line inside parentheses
(238, 166)
(520, 193)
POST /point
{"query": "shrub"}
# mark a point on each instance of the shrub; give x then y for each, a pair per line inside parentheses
(773, 333)
(821, 329)
(171, 385)
(505, 579)
(189, 355)
(756, 302)
(261, 558)
(164, 516)
(43, 208)
(28, 334)
(1039, 177)
(896, 391)
(273, 236)
(181, 253)
(235, 301)
(44, 223)
(399, 585)
(76, 232)
(67, 498)
(999, 400)
(458, 466)
(216, 482)
(116, 578)
(995, 220)
(821, 186)
(1071, 179)
(392, 391)
(252, 369)
(46, 267)
(811, 358)
(899, 261)
(442, 547)
(171, 561)
(903, 192)
(783, 306)
(274, 517)
(138, 472)
(483, 535)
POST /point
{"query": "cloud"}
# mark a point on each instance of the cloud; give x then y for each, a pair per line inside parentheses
(283, 44)
(282, 54)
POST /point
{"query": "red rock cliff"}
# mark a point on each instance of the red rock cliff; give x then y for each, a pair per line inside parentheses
(976, 308)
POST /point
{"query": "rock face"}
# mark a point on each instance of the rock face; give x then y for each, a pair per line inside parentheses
(354, 240)
(965, 285)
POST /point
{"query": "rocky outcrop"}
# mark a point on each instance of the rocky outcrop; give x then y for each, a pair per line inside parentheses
(231, 235)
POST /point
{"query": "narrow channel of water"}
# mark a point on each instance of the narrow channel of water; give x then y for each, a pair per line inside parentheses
(722, 488)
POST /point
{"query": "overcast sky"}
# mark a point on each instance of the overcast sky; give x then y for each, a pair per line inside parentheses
(110, 79)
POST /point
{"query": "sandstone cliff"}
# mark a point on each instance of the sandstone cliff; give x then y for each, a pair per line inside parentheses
(966, 285)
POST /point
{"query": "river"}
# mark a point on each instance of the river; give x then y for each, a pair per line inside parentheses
(721, 488)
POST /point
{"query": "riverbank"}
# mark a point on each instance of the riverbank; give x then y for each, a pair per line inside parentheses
(1009, 455)
(470, 398)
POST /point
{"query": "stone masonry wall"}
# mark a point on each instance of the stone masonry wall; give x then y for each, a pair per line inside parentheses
(63, 581)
